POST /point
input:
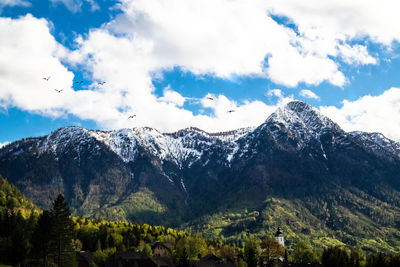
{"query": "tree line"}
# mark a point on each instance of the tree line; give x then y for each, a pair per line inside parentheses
(269, 252)
(52, 238)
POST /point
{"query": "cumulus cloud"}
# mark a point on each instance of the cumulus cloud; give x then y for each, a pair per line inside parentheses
(30, 53)
(33, 54)
(223, 38)
(369, 113)
(327, 21)
(308, 94)
(356, 54)
(173, 97)
(279, 95)
(227, 38)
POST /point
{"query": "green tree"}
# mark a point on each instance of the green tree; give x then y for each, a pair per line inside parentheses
(197, 247)
(251, 252)
(41, 238)
(182, 259)
(147, 250)
(357, 257)
(20, 243)
(270, 248)
(228, 252)
(303, 252)
(335, 257)
(62, 234)
(378, 259)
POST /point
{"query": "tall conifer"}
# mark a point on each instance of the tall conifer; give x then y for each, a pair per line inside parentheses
(62, 233)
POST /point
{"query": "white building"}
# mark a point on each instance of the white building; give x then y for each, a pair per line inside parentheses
(279, 237)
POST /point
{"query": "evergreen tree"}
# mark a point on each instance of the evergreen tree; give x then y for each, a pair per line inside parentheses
(378, 260)
(251, 253)
(183, 258)
(357, 257)
(42, 237)
(20, 241)
(335, 257)
(62, 234)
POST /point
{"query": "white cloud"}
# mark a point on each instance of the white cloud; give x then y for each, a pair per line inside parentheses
(282, 99)
(33, 53)
(76, 5)
(173, 97)
(369, 113)
(224, 38)
(30, 53)
(327, 21)
(72, 5)
(356, 54)
(308, 94)
(218, 37)
(11, 3)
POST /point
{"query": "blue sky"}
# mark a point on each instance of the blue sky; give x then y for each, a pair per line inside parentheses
(163, 61)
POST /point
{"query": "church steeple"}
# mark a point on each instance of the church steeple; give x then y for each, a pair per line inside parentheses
(279, 237)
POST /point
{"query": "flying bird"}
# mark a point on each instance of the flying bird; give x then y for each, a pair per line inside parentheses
(101, 83)
(79, 82)
(210, 98)
(58, 90)
(230, 111)
(47, 79)
(131, 116)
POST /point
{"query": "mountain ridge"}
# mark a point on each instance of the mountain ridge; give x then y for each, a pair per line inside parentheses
(297, 160)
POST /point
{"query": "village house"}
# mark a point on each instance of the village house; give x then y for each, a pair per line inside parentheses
(161, 249)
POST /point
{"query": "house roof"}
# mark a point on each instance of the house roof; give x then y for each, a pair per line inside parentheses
(84, 256)
(158, 243)
(211, 257)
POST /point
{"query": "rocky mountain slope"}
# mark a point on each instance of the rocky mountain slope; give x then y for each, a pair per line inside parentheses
(298, 170)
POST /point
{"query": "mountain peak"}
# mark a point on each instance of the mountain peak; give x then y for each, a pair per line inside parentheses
(301, 120)
(298, 106)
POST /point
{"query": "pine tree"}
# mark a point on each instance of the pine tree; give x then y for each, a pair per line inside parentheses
(62, 234)
(42, 237)
(183, 260)
(251, 253)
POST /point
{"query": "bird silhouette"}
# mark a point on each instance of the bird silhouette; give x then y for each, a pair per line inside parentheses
(101, 83)
(210, 98)
(58, 90)
(47, 79)
(131, 116)
(230, 111)
(79, 82)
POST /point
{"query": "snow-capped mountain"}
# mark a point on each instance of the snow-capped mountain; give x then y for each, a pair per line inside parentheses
(117, 173)
(182, 147)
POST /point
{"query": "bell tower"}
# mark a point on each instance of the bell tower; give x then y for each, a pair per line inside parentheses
(279, 237)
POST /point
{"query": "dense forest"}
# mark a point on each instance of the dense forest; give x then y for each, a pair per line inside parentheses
(30, 237)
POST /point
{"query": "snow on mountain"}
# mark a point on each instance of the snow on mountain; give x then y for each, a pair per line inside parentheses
(378, 143)
(122, 142)
(302, 120)
(59, 140)
(298, 120)
(182, 147)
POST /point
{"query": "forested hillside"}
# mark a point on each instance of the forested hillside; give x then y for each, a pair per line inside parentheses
(12, 199)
